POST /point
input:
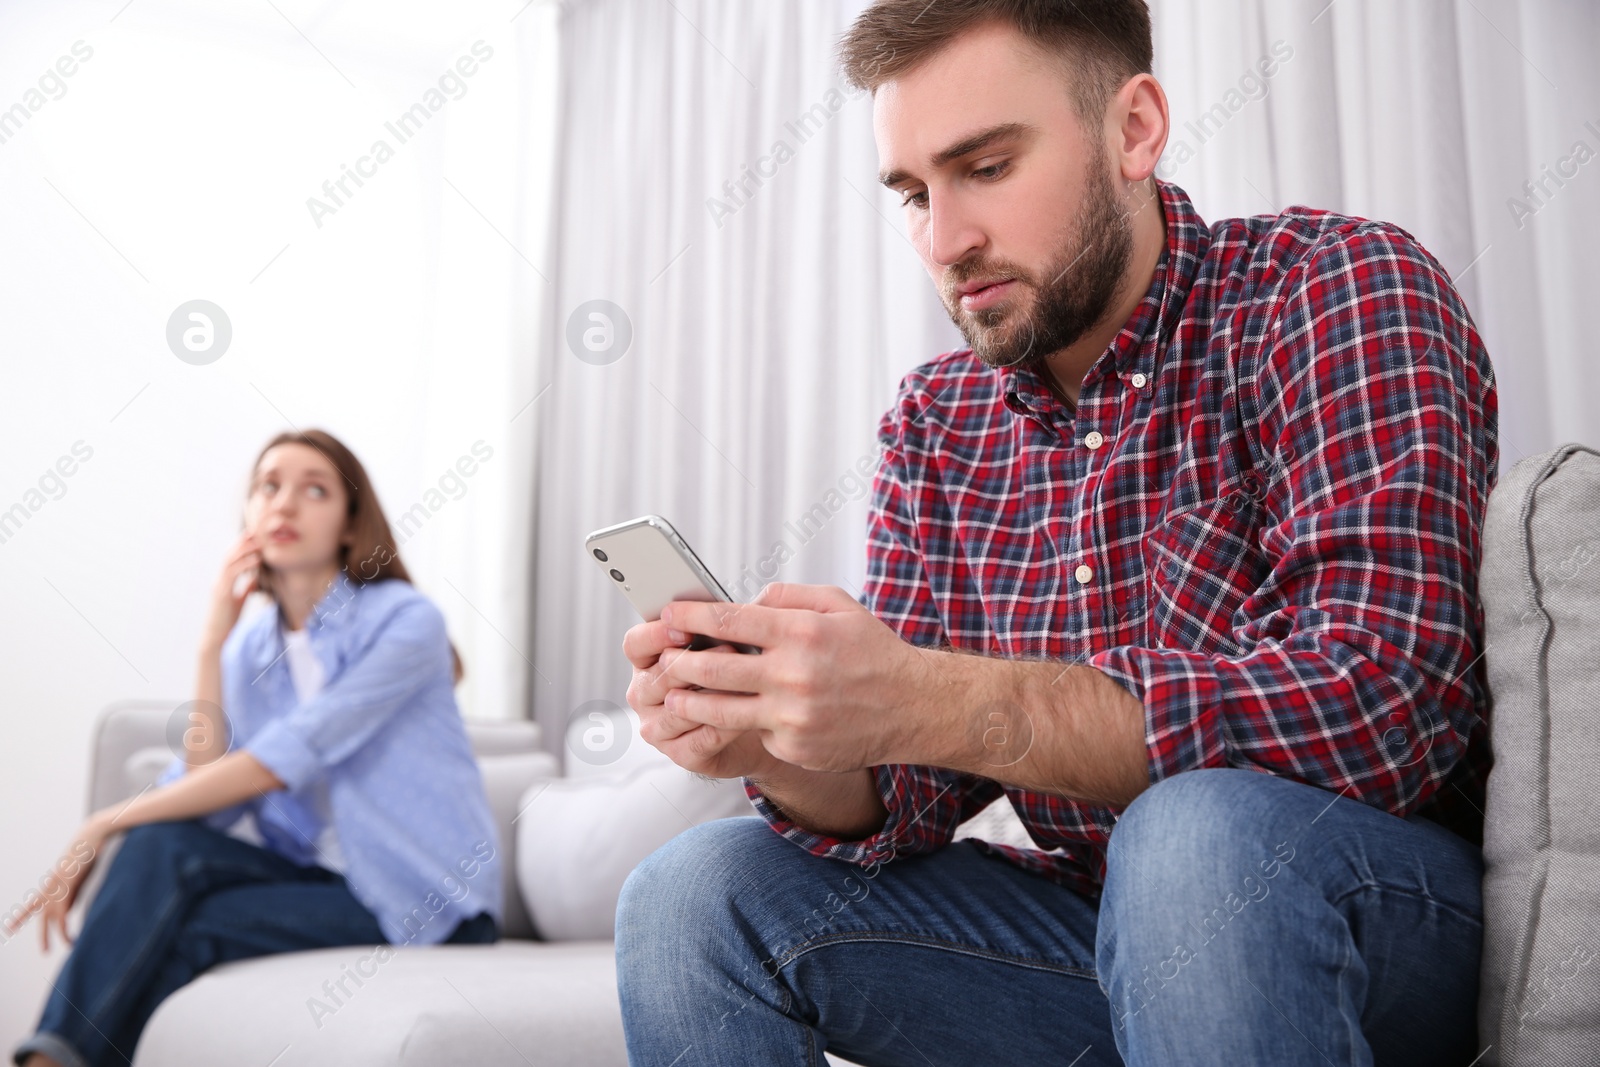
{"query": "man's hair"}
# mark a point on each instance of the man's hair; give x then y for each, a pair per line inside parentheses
(1100, 44)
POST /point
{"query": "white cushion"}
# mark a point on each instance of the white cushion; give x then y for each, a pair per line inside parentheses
(579, 838)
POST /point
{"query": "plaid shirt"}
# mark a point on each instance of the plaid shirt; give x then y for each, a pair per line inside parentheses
(1263, 519)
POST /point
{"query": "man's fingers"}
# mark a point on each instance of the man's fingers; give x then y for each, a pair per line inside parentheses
(644, 643)
(709, 670)
(762, 620)
(746, 624)
(808, 597)
(728, 712)
(665, 726)
(700, 745)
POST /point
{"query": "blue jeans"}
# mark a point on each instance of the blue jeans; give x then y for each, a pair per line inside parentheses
(179, 898)
(1246, 919)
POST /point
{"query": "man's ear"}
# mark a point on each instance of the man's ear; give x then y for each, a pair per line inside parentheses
(1140, 112)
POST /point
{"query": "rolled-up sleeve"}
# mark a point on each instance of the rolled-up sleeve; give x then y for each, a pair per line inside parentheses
(406, 652)
(1351, 665)
(925, 804)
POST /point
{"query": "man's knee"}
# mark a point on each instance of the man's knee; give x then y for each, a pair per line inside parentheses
(1216, 815)
(1193, 840)
(694, 880)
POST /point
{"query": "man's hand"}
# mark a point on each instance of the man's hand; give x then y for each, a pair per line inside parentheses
(833, 690)
(691, 745)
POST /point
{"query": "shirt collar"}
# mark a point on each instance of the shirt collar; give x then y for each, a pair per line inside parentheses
(264, 645)
(336, 608)
(1138, 346)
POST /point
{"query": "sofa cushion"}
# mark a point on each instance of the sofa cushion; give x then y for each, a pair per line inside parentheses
(510, 1003)
(579, 838)
(1540, 589)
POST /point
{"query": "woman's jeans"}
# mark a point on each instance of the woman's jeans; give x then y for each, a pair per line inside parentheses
(1246, 919)
(179, 898)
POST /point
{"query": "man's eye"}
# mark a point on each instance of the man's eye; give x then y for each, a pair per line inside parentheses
(992, 171)
(915, 200)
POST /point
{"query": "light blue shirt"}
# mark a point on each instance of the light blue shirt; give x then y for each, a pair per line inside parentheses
(421, 850)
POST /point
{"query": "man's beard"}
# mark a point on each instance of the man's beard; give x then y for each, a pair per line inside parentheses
(1077, 288)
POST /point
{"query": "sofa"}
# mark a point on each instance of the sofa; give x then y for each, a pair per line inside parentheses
(546, 994)
(1539, 1000)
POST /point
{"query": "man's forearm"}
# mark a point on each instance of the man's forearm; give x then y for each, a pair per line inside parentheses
(1040, 725)
(844, 805)
(1036, 724)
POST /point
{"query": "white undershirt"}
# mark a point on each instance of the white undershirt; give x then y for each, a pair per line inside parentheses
(306, 671)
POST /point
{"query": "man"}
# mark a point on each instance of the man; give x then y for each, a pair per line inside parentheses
(1179, 557)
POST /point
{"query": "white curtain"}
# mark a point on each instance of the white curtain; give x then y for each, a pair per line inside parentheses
(772, 317)
(1432, 114)
(491, 188)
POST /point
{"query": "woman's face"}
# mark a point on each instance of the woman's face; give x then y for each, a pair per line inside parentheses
(296, 508)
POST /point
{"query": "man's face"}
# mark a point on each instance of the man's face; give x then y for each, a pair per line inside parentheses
(1032, 207)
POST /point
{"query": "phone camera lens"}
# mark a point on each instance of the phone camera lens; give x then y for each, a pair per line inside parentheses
(616, 574)
(599, 555)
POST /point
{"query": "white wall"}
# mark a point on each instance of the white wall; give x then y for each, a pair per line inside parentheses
(176, 164)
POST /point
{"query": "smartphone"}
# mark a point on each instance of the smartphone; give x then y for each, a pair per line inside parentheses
(653, 566)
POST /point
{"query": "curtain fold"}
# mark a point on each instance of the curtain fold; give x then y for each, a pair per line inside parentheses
(491, 257)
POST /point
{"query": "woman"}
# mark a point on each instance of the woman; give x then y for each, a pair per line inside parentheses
(336, 802)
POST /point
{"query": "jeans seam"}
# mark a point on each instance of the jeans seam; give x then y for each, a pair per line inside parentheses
(1476, 920)
(790, 955)
(1357, 1039)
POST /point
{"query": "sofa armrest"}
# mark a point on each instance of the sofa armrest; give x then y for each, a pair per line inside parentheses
(506, 779)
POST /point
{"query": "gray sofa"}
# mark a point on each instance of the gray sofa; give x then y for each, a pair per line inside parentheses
(570, 843)
(1540, 588)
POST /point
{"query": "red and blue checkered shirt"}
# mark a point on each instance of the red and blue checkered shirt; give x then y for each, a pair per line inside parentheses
(1263, 519)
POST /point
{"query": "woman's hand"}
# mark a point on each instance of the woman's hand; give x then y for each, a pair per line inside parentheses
(225, 603)
(58, 889)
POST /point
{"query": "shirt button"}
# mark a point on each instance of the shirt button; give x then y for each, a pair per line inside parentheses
(1093, 439)
(1139, 380)
(1083, 574)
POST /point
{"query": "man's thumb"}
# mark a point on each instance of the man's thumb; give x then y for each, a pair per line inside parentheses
(800, 595)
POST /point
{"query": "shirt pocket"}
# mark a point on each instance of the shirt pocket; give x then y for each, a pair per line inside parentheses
(1202, 565)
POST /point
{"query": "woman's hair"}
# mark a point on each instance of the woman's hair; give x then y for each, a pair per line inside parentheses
(371, 554)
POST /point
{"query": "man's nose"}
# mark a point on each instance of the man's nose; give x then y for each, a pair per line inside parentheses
(952, 236)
